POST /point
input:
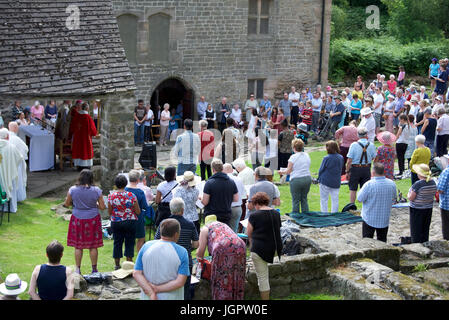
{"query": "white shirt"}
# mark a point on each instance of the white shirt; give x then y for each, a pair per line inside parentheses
(293, 96)
(272, 150)
(247, 176)
(236, 115)
(378, 101)
(443, 123)
(301, 165)
(241, 190)
(370, 125)
(165, 114)
(150, 114)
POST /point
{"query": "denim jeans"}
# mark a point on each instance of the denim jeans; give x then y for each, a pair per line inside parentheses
(185, 167)
(138, 133)
(124, 231)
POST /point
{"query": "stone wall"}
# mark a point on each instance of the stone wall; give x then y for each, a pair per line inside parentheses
(117, 137)
(212, 53)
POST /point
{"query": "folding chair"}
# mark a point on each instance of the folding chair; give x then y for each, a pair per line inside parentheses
(3, 200)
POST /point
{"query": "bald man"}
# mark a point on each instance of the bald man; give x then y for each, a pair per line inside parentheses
(23, 149)
(9, 165)
(236, 207)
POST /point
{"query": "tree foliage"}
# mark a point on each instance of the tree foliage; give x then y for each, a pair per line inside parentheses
(412, 20)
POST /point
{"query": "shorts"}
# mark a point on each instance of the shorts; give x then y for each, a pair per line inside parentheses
(440, 91)
(358, 176)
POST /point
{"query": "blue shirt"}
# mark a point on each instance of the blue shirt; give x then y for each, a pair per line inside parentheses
(443, 185)
(201, 108)
(399, 104)
(285, 105)
(317, 104)
(267, 105)
(357, 105)
(142, 200)
(162, 261)
(355, 152)
(434, 69)
(377, 196)
(330, 171)
(187, 147)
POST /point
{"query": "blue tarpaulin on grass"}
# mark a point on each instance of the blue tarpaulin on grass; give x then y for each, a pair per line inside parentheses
(324, 219)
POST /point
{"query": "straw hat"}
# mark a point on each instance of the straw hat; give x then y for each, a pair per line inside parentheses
(366, 111)
(126, 270)
(414, 99)
(209, 219)
(13, 285)
(391, 96)
(438, 98)
(386, 137)
(190, 178)
(423, 170)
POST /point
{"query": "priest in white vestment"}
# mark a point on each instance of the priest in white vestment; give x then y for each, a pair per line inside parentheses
(10, 159)
(23, 148)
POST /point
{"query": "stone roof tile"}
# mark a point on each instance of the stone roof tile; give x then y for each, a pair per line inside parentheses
(40, 55)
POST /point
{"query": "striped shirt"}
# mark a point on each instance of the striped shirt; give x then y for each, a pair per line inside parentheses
(443, 185)
(377, 197)
(188, 234)
(425, 192)
(188, 147)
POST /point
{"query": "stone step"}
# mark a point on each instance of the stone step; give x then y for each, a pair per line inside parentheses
(407, 266)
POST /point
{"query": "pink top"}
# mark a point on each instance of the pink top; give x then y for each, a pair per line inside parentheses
(348, 134)
(392, 86)
(401, 75)
(37, 112)
(165, 114)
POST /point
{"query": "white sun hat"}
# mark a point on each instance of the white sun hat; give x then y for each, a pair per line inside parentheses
(13, 285)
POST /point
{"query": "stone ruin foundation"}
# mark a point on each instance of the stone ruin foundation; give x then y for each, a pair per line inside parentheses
(335, 261)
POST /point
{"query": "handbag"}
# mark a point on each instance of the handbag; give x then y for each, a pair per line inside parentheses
(206, 269)
(165, 212)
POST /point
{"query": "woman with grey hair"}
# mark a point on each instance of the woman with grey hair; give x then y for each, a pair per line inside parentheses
(419, 156)
(188, 192)
(165, 121)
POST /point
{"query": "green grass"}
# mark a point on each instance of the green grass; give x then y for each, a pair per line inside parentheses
(23, 241)
(34, 226)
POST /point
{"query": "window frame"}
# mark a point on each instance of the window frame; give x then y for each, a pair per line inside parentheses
(258, 16)
(256, 87)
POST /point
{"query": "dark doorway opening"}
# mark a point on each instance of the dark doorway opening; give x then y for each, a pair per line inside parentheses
(174, 92)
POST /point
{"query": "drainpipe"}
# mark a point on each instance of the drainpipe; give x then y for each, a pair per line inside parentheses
(323, 7)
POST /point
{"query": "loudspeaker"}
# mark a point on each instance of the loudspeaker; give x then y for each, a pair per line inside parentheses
(148, 156)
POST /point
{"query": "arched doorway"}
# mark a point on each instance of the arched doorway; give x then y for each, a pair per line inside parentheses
(174, 92)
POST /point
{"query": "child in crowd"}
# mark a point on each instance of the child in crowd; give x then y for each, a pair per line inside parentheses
(302, 132)
(306, 114)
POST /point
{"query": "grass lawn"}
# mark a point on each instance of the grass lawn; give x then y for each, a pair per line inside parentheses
(34, 226)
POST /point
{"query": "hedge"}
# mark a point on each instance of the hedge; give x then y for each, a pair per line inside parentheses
(349, 58)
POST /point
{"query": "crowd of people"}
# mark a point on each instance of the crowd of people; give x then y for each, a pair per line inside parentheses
(408, 123)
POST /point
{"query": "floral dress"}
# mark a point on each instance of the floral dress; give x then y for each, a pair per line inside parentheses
(190, 196)
(228, 253)
(386, 156)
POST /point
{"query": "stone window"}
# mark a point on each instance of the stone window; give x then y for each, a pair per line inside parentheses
(256, 86)
(127, 24)
(258, 16)
(159, 33)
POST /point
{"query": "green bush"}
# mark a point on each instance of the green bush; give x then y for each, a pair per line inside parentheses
(350, 23)
(349, 58)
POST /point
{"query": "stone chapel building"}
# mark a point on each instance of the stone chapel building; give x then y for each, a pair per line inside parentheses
(180, 50)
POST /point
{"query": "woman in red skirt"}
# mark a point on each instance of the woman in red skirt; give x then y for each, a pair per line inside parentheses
(85, 224)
